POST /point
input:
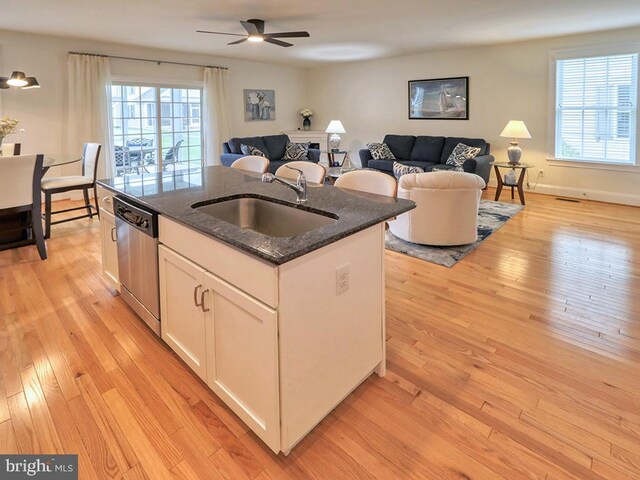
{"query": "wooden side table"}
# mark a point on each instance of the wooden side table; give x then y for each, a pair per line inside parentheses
(518, 185)
(331, 155)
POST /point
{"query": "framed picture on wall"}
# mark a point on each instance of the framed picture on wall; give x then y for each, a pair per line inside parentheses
(259, 105)
(439, 99)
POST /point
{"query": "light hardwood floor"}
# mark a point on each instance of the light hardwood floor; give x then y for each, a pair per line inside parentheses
(522, 361)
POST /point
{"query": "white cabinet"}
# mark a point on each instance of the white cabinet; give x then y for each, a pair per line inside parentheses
(183, 324)
(242, 357)
(109, 248)
(278, 344)
(226, 337)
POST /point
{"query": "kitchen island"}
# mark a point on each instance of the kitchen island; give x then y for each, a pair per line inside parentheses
(281, 328)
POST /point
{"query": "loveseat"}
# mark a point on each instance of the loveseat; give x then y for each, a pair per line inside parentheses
(273, 147)
(428, 153)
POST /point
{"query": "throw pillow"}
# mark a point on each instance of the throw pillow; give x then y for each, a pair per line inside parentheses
(461, 154)
(296, 151)
(249, 150)
(400, 169)
(380, 151)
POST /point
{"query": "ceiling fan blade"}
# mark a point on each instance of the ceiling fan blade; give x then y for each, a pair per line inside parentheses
(242, 40)
(221, 33)
(278, 42)
(287, 35)
(250, 28)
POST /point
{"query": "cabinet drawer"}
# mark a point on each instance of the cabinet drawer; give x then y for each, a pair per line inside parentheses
(105, 199)
(256, 277)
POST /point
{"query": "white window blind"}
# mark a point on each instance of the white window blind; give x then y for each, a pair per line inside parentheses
(596, 109)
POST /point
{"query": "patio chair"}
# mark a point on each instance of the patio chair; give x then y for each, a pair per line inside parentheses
(172, 156)
(123, 159)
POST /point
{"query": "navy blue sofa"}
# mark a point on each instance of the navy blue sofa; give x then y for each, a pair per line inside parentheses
(273, 147)
(428, 153)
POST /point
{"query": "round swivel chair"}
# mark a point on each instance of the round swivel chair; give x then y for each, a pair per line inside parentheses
(446, 210)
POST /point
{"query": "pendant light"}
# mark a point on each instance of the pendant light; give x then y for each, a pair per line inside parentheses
(20, 80)
(17, 79)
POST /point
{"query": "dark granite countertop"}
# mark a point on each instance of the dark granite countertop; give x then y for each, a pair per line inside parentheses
(173, 195)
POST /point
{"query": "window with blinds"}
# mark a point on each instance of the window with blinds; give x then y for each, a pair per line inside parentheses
(596, 109)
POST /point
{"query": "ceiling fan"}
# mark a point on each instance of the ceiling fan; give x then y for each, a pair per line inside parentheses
(255, 33)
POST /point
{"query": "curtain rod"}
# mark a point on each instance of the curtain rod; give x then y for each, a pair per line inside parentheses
(147, 60)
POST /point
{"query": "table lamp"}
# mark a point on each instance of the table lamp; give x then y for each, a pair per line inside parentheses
(515, 129)
(335, 127)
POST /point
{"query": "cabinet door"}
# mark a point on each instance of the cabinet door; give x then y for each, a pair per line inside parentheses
(242, 358)
(182, 319)
(109, 248)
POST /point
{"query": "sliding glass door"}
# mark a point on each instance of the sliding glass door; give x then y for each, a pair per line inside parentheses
(156, 129)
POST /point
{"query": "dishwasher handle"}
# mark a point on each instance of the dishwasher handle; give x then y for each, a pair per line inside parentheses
(136, 216)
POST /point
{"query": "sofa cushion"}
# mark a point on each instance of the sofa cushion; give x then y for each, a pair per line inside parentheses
(400, 145)
(296, 151)
(427, 149)
(251, 150)
(387, 165)
(380, 151)
(451, 143)
(400, 169)
(274, 165)
(382, 165)
(257, 142)
(440, 167)
(276, 145)
(461, 154)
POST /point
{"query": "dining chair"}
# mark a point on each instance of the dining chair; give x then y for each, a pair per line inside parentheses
(369, 181)
(172, 156)
(84, 182)
(313, 172)
(251, 163)
(20, 202)
(10, 149)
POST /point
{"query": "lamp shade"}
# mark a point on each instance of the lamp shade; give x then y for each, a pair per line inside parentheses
(32, 82)
(515, 129)
(17, 79)
(335, 126)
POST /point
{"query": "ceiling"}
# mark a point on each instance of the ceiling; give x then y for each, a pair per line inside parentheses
(341, 30)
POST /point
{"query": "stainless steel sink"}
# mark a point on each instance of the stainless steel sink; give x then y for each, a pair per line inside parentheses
(266, 217)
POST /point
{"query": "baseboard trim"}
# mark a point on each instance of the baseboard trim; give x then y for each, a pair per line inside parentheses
(586, 194)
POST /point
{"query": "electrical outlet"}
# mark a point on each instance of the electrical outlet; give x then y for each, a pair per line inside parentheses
(541, 172)
(342, 279)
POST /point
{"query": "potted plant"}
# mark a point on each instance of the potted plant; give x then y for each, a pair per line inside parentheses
(8, 126)
(306, 115)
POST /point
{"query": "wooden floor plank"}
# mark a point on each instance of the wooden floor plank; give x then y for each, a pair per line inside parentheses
(521, 361)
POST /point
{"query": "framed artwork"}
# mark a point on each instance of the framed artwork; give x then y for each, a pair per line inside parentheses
(259, 105)
(439, 99)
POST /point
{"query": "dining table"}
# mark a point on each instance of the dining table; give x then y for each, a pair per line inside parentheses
(57, 160)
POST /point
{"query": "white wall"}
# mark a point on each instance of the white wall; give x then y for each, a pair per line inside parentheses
(42, 112)
(506, 82)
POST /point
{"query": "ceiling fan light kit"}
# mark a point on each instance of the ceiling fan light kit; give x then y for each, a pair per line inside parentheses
(255, 34)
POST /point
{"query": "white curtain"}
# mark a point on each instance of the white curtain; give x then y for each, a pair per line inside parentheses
(215, 113)
(89, 118)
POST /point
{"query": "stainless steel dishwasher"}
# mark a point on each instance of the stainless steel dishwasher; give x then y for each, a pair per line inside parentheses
(137, 239)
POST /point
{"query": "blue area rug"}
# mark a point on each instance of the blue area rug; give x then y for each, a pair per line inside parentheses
(491, 216)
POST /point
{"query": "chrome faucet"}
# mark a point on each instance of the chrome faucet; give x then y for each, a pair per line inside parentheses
(300, 186)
